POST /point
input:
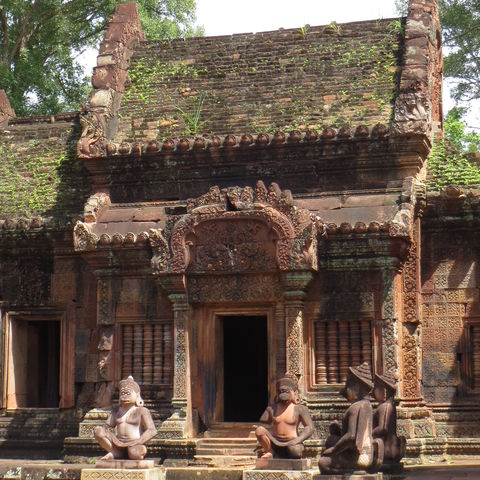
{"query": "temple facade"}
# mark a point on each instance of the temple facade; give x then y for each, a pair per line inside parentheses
(228, 209)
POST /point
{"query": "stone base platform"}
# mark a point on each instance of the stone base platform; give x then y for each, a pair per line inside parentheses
(124, 464)
(280, 474)
(311, 474)
(283, 464)
(122, 474)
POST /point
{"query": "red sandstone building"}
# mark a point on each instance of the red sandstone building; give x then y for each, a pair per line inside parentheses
(225, 210)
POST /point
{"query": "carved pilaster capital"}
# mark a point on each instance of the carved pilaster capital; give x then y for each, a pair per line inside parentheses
(295, 285)
(173, 284)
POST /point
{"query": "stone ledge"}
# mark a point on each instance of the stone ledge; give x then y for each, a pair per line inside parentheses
(122, 474)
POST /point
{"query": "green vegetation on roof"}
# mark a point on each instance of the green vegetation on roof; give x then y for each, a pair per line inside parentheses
(311, 77)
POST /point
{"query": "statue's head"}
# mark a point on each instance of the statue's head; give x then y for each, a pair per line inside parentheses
(359, 382)
(129, 392)
(385, 386)
(287, 390)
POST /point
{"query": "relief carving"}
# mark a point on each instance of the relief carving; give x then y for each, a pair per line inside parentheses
(239, 230)
(231, 288)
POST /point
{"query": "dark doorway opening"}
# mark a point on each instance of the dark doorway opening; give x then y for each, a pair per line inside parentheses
(245, 371)
(43, 363)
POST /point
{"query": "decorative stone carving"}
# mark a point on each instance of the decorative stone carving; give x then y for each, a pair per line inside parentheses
(285, 415)
(350, 446)
(231, 288)
(133, 426)
(240, 230)
(83, 238)
(94, 203)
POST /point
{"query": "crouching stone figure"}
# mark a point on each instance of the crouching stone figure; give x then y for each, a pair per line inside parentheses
(349, 446)
(133, 426)
(285, 417)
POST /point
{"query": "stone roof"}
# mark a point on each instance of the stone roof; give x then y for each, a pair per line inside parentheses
(40, 174)
(320, 110)
(311, 77)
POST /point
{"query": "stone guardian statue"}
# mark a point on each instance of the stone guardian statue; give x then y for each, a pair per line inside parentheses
(133, 426)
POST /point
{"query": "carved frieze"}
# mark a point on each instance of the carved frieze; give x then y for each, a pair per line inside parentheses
(239, 230)
(232, 288)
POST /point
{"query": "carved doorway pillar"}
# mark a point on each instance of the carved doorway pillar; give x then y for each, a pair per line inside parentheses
(295, 284)
(179, 424)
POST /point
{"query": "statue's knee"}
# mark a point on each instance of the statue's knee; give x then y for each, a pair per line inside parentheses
(260, 431)
(295, 451)
(99, 432)
(137, 452)
(324, 463)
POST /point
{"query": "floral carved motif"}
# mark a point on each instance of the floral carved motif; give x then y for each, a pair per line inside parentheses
(240, 230)
(231, 288)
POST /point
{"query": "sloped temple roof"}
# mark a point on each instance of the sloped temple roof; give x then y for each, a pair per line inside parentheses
(333, 75)
(342, 113)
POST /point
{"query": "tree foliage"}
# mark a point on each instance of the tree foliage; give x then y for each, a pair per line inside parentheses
(40, 41)
(461, 35)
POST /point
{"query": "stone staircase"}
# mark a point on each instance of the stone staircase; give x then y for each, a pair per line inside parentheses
(226, 444)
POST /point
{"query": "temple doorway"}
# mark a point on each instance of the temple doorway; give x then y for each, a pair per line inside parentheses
(33, 364)
(245, 367)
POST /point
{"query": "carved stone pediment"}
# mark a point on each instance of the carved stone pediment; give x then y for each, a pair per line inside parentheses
(239, 230)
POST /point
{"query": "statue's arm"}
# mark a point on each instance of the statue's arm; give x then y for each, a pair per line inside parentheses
(111, 421)
(147, 427)
(267, 416)
(347, 441)
(381, 429)
(306, 420)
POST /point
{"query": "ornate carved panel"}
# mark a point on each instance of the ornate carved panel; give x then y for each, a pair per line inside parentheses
(233, 288)
(238, 246)
(238, 230)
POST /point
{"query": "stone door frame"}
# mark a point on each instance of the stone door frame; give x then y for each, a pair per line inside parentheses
(209, 318)
(66, 361)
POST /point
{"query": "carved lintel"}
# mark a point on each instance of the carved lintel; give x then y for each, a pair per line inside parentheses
(230, 230)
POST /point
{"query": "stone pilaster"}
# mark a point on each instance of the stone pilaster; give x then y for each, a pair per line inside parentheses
(295, 284)
(410, 391)
(390, 279)
(179, 424)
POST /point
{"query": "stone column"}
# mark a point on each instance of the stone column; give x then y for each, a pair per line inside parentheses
(179, 424)
(295, 284)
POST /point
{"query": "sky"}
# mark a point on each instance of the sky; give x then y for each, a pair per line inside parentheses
(265, 15)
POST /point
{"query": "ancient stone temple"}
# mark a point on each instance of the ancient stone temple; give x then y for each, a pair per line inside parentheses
(229, 209)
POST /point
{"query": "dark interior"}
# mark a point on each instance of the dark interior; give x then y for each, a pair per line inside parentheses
(245, 368)
(43, 364)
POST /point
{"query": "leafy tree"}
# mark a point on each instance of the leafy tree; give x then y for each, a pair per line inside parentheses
(40, 41)
(402, 7)
(456, 132)
(461, 35)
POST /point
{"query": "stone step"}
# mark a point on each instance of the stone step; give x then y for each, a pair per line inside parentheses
(219, 461)
(228, 441)
(224, 451)
(231, 429)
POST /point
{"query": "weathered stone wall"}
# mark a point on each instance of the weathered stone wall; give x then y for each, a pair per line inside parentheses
(451, 291)
(249, 83)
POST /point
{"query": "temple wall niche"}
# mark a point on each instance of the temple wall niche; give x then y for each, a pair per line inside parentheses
(343, 312)
(451, 315)
(144, 336)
